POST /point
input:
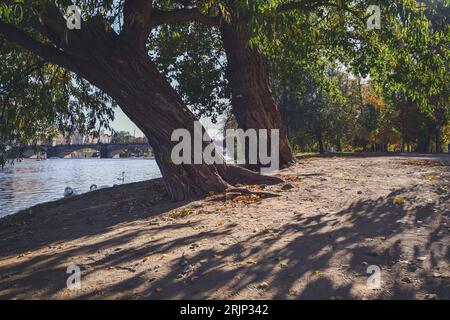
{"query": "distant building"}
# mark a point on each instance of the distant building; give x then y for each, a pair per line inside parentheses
(104, 138)
(59, 140)
(78, 138)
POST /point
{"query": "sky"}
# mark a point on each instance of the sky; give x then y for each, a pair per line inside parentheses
(123, 123)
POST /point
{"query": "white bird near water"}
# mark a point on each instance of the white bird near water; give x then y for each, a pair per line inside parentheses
(94, 187)
(122, 178)
(68, 192)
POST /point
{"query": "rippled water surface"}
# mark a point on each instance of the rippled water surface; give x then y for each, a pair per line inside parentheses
(31, 182)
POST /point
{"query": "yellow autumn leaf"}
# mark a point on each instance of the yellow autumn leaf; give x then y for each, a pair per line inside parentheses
(399, 200)
(248, 261)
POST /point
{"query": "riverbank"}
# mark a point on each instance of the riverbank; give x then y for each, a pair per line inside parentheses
(313, 237)
(28, 183)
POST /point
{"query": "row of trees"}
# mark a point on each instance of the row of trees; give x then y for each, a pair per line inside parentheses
(166, 62)
(403, 103)
(342, 113)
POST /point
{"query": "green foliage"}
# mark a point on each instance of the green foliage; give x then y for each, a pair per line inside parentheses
(316, 107)
(410, 55)
(192, 58)
(39, 100)
(122, 137)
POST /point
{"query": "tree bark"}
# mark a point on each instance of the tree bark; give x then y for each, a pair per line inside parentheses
(338, 143)
(437, 139)
(252, 102)
(320, 140)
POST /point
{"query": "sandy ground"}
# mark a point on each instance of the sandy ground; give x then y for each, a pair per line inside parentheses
(311, 238)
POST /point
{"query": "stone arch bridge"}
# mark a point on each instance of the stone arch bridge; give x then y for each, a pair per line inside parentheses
(105, 150)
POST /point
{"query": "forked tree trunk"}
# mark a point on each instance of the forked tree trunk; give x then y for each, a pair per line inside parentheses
(145, 96)
(120, 66)
(252, 102)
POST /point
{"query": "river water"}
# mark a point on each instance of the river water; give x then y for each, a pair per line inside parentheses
(31, 182)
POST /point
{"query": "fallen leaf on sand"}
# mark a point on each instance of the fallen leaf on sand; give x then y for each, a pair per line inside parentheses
(399, 200)
(247, 262)
(177, 214)
(293, 179)
(271, 233)
(244, 199)
(164, 255)
(318, 273)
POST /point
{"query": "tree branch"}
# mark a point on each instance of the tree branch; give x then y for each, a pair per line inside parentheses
(136, 26)
(307, 5)
(21, 74)
(160, 17)
(49, 53)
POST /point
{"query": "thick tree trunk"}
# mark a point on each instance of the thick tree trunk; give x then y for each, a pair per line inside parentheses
(423, 144)
(338, 144)
(252, 102)
(145, 96)
(437, 139)
(321, 146)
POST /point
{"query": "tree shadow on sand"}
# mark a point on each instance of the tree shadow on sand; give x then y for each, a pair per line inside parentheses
(312, 257)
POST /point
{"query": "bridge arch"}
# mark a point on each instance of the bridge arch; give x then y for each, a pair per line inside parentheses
(63, 151)
(105, 150)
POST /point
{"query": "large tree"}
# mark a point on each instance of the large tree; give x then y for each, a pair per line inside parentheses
(109, 50)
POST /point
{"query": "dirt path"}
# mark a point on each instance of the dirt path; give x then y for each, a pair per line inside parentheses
(311, 238)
